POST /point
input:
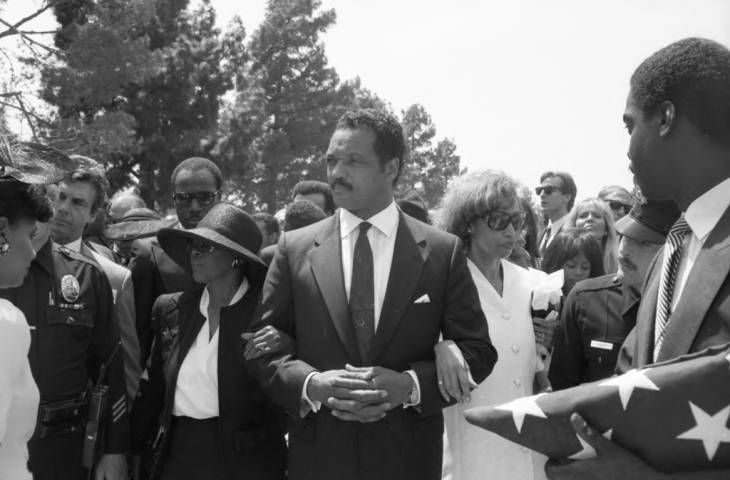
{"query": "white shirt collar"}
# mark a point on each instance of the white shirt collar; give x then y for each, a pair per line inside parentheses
(703, 214)
(384, 221)
(205, 298)
(74, 246)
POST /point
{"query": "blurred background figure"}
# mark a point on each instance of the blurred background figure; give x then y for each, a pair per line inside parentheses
(269, 227)
(298, 215)
(578, 254)
(600, 312)
(557, 193)
(593, 216)
(526, 252)
(412, 204)
(135, 225)
(619, 200)
(121, 203)
(484, 210)
(319, 193)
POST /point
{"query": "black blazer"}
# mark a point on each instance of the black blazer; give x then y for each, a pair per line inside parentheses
(251, 428)
(304, 296)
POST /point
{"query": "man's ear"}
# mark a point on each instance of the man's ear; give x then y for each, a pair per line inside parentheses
(667, 113)
(391, 168)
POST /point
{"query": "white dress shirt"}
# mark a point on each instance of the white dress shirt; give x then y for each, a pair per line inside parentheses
(702, 215)
(382, 243)
(196, 390)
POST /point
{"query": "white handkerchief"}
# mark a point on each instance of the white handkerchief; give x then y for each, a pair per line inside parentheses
(423, 299)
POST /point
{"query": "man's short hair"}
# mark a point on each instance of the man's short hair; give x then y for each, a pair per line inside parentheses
(389, 141)
(302, 213)
(95, 177)
(694, 75)
(193, 164)
(271, 226)
(568, 184)
(308, 187)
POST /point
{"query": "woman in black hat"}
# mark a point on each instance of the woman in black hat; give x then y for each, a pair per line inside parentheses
(202, 415)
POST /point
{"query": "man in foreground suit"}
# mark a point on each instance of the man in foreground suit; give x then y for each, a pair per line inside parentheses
(678, 116)
(365, 294)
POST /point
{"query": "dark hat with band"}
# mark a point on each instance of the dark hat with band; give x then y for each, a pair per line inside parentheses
(34, 163)
(649, 222)
(224, 226)
(138, 222)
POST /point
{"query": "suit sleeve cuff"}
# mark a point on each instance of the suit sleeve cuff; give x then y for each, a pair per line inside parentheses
(308, 405)
(415, 398)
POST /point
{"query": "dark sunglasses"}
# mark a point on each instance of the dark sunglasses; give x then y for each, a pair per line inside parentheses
(200, 247)
(617, 205)
(204, 198)
(498, 220)
(549, 189)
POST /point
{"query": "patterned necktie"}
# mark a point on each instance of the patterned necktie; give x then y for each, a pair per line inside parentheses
(362, 297)
(672, 255)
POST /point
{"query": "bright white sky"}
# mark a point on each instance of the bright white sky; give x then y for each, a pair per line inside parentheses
(520, 85)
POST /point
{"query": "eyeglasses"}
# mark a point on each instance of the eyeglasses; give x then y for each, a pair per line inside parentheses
(549, 189)
(200, 247)
(498, 220)
(618, 205)
(204, 198)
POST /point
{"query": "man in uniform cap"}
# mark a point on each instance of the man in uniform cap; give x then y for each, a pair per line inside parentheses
(600, 312)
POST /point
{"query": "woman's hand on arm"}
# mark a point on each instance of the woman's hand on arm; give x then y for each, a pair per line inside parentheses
(454, 380)
(265, 341)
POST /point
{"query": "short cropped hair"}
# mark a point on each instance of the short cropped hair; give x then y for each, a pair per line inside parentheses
(302, 213)
(470, 196)
(389, 140)
(20, 201)
(568, 184)
(307, 187)
(193, 164)
(694, 75)
(569, 243)
(271, 226)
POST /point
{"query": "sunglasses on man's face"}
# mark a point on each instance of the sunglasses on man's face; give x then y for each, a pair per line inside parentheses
(548, 189)
(200, 247)
(498, 220)
(204, 198)
(616, 206)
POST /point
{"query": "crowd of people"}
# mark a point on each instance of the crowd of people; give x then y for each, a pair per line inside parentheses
(344, 337)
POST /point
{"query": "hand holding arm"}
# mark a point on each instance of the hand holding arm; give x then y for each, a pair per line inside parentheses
(454, 379)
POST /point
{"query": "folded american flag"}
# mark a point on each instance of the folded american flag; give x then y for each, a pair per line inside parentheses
(674, 415)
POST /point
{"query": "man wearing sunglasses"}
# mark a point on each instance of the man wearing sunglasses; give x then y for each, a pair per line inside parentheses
(196, 186)
(557, 192)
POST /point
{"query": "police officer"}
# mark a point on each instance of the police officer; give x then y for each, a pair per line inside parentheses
(68, 303)
(600, 312)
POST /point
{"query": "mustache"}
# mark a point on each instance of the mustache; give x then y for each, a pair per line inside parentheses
(626, 262)
(341, 183)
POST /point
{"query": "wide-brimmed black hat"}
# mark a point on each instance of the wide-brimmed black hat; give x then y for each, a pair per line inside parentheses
(224, 226)
(34, 163)
(649, 222)
(138, 222)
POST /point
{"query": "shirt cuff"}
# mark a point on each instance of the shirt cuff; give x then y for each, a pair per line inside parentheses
(415, 398)
(307, 404)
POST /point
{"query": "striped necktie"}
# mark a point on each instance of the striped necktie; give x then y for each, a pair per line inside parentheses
(670, 266)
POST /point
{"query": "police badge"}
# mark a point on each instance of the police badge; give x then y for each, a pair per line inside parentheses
(70, 288)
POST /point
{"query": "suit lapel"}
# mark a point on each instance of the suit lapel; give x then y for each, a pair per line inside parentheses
(647, 313)
(704, 281)
(409, 256)
(326, 261)
(189, 329)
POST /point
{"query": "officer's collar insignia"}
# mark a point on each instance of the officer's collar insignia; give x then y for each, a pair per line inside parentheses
(70, 288)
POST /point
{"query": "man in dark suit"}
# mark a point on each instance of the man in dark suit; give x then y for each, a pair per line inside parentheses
(365, 295)
(196, 185)
(678, 116)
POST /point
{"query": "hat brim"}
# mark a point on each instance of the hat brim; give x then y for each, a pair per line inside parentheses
(629, 227)
(175, 243)
(131, 230)
(38, 164)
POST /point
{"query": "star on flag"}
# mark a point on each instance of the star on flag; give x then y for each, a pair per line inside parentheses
(628, 382)
(710, 429)
(522, 407)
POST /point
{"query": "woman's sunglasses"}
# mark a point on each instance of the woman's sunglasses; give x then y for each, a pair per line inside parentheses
(200, 247)
(616, 206)
(498, 220)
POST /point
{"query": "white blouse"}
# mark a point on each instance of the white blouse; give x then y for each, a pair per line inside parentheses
(196, 391)
(18, 393)
(471, 452)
